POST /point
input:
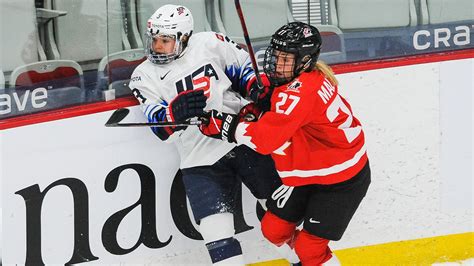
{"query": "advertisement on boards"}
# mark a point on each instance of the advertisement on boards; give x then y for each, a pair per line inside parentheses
(75, 191)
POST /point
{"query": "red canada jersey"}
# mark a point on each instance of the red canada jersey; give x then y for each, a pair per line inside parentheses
(310, 132)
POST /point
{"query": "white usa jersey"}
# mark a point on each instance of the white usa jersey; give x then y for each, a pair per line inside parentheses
(211, 62)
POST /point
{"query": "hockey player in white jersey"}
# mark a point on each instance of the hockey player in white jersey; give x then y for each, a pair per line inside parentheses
(185, 75)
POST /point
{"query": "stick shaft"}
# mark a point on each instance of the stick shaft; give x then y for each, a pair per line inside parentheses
(248, 43)
(157, 124)
(120, 114)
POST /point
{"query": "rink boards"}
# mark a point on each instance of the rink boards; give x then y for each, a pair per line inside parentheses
(75, 191)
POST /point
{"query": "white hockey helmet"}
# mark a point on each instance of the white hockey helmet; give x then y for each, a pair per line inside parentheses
(171, 21)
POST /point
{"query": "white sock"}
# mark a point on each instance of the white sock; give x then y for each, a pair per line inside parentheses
(288, 253)
(333, 261)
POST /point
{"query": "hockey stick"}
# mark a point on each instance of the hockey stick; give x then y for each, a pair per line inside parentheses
(249, 44)
(120, 114)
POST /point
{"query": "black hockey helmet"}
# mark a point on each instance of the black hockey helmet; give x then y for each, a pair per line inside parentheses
(301, 40)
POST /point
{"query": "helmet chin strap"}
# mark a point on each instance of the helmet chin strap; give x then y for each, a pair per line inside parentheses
(178, 48)
(181, 44)
(305, 67)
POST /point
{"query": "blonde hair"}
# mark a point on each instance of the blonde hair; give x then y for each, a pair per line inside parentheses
(326, 71)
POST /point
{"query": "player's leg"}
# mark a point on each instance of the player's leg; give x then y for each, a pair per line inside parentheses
(218, 233)
(329, 211)
(257, 173)
(281, 234)
(311, 249)
(210, 193)
(286, 208)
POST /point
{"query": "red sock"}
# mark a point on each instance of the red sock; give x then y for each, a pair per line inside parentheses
(312, 250)
(292, 241)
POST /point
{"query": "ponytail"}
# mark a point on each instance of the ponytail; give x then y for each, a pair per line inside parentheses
(327, 71)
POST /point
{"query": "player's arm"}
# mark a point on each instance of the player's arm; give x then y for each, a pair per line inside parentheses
(275, 128)
(185, 105)
(157, 113)
(271, 131)
(151, 104)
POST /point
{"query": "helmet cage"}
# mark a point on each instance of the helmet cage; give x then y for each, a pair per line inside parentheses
(279, 70)
(158, 58)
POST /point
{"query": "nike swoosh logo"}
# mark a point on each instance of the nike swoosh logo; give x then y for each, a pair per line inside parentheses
(164, 76)
(313, 221)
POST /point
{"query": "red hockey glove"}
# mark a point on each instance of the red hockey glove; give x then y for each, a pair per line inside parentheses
(254, 93)
(186, 105)
(251, 112)
(220, 126)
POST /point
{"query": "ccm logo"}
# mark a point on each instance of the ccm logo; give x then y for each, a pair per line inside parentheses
(424, 39)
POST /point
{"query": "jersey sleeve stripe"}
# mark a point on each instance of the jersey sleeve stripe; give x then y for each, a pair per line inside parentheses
(151, 112)
(240, 76)
(247, 74)
(156, 113)
(233, 73)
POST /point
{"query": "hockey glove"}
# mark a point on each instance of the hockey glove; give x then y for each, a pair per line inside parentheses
(261, 96)
(186, 105)
(250, 113)
(220, 126)
(254, 93)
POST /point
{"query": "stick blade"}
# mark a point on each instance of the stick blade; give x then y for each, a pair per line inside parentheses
(117, 116)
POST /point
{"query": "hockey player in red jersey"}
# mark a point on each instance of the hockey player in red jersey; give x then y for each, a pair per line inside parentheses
(316, 142)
